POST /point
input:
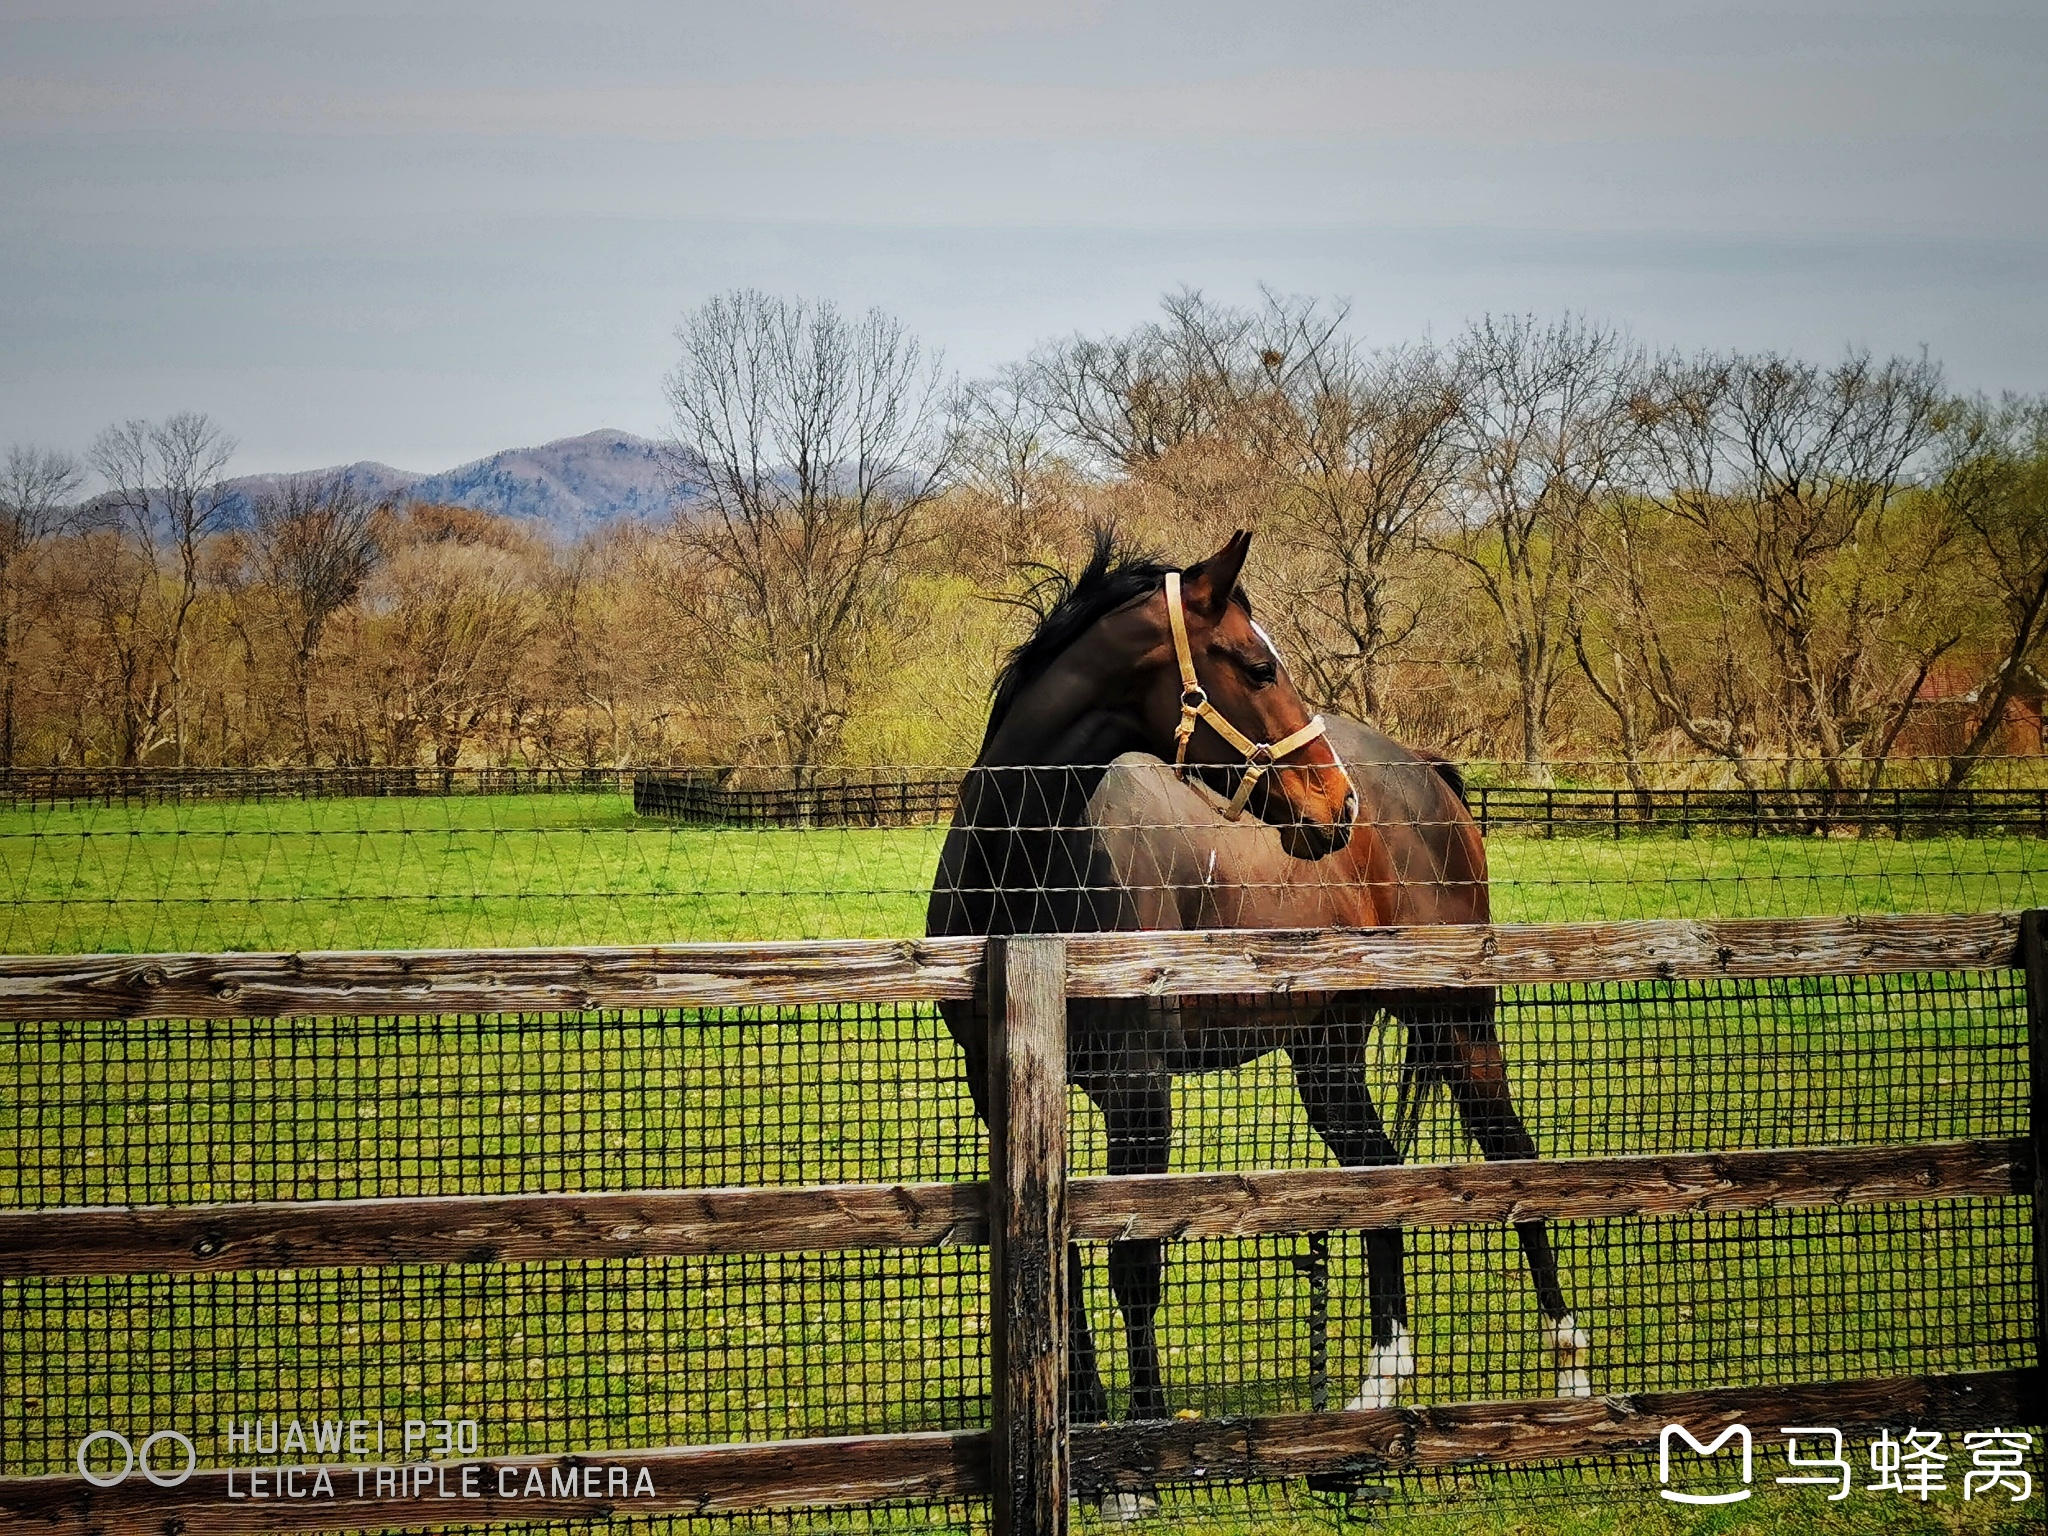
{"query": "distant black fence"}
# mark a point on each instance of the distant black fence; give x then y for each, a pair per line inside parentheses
(884, 797)
(1771, 812)
(825, 798)
(150, 786)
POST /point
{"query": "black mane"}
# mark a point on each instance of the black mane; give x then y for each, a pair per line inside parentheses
(1069, 606)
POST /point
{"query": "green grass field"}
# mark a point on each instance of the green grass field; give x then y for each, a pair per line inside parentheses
(575, 869)
(637, 1352)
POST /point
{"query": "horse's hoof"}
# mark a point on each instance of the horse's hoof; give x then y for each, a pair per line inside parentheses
(1572, 1348)
(1126, 1505)
(1389, 1365)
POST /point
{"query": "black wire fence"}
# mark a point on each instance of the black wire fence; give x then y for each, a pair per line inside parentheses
(118, 1102)
(21, 787)
(590, 1354)
(2008, 797)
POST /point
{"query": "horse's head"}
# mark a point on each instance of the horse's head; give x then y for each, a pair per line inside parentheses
(1219, 701)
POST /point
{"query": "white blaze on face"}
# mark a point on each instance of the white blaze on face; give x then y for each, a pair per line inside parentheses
(1272, 649)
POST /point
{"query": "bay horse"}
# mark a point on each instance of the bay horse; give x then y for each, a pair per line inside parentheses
(1126, 739)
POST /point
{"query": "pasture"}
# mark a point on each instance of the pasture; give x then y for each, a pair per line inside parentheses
(639, 1352)
(583, 869)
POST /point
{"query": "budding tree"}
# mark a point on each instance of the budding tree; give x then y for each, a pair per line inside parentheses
(806, 442)
(165, 495)
(1994, 481)
(1549, 421)
(37, 486)
(1796, 488)
(313, 545)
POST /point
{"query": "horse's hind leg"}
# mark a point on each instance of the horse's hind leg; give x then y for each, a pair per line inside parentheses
(1329, 1073)
(1478, 1080)
(1087, 1401)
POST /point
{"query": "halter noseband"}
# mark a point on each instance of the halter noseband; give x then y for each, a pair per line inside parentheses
(1195, 707)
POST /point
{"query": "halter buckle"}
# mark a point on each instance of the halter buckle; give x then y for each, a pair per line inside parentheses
(1193, 697)
(1261, 755)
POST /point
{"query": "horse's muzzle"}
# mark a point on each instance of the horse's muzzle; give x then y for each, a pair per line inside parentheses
(1319, 839)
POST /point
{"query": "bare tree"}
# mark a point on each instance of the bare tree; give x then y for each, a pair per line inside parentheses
(1011, 467)
(1793, 480)
(1994, 481)
(1550, 418)
(806, 443)
(455, 612)
(313, 545)
(1126, 402)
(164, 491)
(1369, 449)
(1275, 416)
(37, 486)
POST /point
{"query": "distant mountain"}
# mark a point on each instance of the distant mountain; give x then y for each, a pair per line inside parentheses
(379, 482)
(571, 485)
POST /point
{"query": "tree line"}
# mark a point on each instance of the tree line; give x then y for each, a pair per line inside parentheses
(1538, 540)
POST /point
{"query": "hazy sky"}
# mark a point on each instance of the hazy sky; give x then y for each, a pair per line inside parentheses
(422, 232)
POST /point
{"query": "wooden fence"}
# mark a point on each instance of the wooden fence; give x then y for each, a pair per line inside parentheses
(173, 786)
(882, 797)
(826, 798)
(907, 798)
(1769, 812)
(1029, 1209)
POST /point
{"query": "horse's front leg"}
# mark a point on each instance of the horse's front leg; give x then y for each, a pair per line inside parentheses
(1479, 1087)
(1140, 1126)
(1329, 1074)
(1087, 1402)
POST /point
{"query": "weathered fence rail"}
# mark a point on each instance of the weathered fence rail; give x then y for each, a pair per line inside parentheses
(1029, 1211)
(507, 1229)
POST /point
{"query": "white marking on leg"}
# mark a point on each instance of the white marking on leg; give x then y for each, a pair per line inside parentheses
(1122, 1507)
(1386, 1368)
(1572, 1349)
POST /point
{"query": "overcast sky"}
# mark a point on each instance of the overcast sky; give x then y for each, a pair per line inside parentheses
(422, 232)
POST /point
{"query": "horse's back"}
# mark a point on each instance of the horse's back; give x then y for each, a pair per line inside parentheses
(1178, 862)
(1431, 864)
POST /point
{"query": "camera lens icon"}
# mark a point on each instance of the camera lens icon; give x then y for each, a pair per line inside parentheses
(131, 1458)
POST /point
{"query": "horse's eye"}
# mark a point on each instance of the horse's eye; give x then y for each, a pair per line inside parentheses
(1262, 674)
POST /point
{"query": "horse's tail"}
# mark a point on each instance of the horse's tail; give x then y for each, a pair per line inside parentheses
(1425, 1064)
(1449, 772)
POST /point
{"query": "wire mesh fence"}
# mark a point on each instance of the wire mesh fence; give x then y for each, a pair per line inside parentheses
(578, 1354)
(586, 1354)
(576, 867)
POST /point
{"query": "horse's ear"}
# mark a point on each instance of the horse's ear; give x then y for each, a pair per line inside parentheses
(1206, 587)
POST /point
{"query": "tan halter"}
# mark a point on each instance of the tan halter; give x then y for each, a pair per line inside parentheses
(1195, 707)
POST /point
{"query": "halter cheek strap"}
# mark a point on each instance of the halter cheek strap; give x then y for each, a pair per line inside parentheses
(1195, 707)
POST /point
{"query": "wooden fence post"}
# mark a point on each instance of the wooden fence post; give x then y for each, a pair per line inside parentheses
(2034, 960)
(1028, 1233)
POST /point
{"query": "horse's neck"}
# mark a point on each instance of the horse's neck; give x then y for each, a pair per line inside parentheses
(1023, 856)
